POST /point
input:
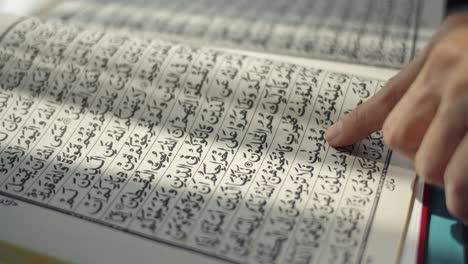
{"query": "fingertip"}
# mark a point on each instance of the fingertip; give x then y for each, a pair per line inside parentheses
(333, 133)
(348, 130)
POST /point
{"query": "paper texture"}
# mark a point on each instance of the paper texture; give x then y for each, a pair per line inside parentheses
(186, 153)
(384, 32)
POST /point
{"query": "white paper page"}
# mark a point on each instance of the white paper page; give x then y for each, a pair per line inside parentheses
(431, 16)
(375, 32)
(24, 7)
(121, 149)
(409, 252)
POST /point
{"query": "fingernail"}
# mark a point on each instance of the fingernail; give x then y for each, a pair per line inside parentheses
(333, 131)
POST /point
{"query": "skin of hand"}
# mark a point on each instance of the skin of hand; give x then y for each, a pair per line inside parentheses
(423, 112)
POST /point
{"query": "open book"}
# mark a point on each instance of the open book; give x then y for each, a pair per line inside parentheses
(157, 132)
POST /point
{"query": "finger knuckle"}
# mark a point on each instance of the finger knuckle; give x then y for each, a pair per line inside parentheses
(456, 85)
(428, 97)
(389, 98)
(356, 116)
(446, 53)
(453, 93)
(422, 168)
(427, 170)
(397, 131)
(391, 94)
(449, 113)
(392, 137)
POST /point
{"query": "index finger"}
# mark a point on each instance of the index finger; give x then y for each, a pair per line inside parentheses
(370, 115)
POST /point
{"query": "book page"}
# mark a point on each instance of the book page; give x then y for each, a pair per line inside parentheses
(409, 253)
(119, 149)
(375, 32)
(430, 17)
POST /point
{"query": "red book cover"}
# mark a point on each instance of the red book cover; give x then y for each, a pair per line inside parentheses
(424, 227)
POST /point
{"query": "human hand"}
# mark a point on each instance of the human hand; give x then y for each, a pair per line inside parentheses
(423, 111)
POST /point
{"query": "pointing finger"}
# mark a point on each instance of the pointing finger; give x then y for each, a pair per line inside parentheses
(369, 116)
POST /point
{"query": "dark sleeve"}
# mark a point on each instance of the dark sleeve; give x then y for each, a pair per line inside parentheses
(456, 2)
